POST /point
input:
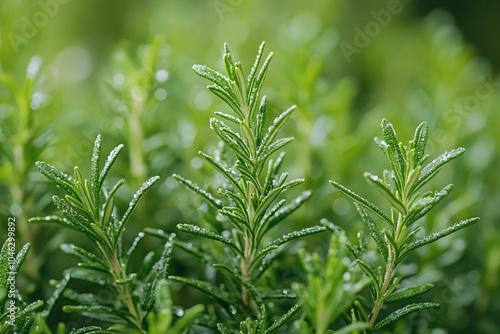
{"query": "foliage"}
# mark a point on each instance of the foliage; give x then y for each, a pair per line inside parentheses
(17, 315)
(109, 267)
(400, 186)
(331, 288)
(249, 197)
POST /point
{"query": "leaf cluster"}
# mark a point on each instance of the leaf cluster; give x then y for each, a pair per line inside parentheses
(249, 201)
(400, 186)
(109, 266)
(331, 288)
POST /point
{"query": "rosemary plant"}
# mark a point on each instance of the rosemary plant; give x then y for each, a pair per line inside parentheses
(18, 316)
(109, 266)
(248, 198)
(400, 186)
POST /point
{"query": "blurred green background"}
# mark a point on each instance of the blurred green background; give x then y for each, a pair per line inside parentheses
(72, 69)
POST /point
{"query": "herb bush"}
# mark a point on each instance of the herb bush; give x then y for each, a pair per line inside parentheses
(54, 103)
(248, 209)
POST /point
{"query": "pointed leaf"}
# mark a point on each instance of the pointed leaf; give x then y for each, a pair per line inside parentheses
(371, 275)
(133, 203)
(216, 293)
(56, 295)
(386, 191)
(214, 202)
(224, 172)
(357, 326)
(132, 249)
(109, 162)
(96, 161)
(273, 130)
(420, 141)
(424, 205)
(283, 319)
(408, 292)
(436, 236)
(193, 229)
(214, 76)
(402, 312)
(60, 179)
(391, 139)
(375, 233)
(434, 166)
(355, 197)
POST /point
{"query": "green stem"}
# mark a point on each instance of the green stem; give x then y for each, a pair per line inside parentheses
(381, 298)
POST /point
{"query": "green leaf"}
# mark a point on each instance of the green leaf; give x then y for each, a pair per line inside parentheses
(278, 294)
(197, 252)
(408, 292)
(422, 206)
(189, 316)
(60, 179)
(371, 275)
(193, 229)
(96, 309)
(391, 140)
(273, 130)
(284, 239)
(225, 330)
(434, 166)
(267, 200)
(108, 206)
(436, 236)
(132, 249)
(79, 222)
(251, 77)
(133, 203)
(214, 202)
(233, 119)
(375, 233)
(277, 145)
(96, 161)
(90, 330)
(386, 191)
(256, 87)
(53, 219)
(420, 141)
(357, 326)
(402, 312)
(214, 76)
(355, 197)
(283, 319)
(109, 162)
(211, 290)
(227, 97)
(56, 295)
(297, 234)
(161, 267)
(81, 254)
(29, 310)
(232, 139)
(224, 172)
(93, 277)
